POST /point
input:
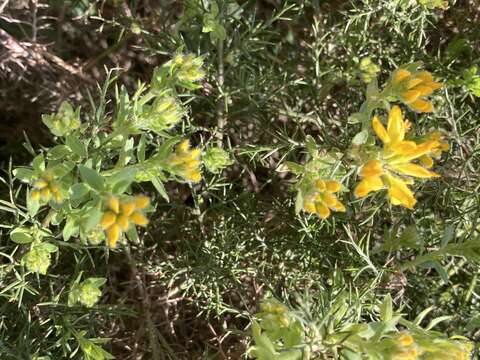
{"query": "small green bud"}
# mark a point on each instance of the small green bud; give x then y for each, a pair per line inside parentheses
(37, 260)
(368, 70)
(64, 121)
(164, 113)
(87, 292)
(188, 68)
(96, 236)
(216, 159)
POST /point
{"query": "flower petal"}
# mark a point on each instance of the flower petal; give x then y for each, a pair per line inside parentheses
(139, 219)
(333, 186)
(368, 185)
(400, 75)
(404, 147)
(113, 234)
(320, 185)
(414, 82)
(421, 106)
(322, 210)
(123, 222)
(395, 128)
(339, 206)
(426, 161)
(127, 207)
(309, 206)
(372, 168)
(415, 171)
(380, 129)
(329, 199)
(113, 204)
(108, 219)
(410, 96)
(399, 193)
(141, 201)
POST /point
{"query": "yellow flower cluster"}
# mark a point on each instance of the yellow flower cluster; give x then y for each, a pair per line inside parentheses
(274, 314)
(412, 88)
(189, 67)
(406, 348)
(324, 199)
(46, 188)
(186, 162)
(120, 214)
(394, 168)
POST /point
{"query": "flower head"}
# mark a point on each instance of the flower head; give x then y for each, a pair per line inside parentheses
(368, 70)
(186, 162)
(163, 114)
(188, 67)
(413, 88)
(46, 188)
(120, 214)
(37, 260)
(323, 198)
(64, 121)
(394, 167)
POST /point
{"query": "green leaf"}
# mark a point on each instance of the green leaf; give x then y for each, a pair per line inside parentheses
(160, 188)
(439, 268)
(93, 219)
(290, 355)
(142, 144)
(410, 238)
(62, 169)
(438, 320)
(21, 235)
(361, 138)
(77, 191)
(447, 235)
(58, 152)
(125, 175)
(32, 206)
(76, 145)
(70, 229)
(92, 178)
(97, 281)
(23, 174)
(295, 168)
(298, 203)
(311, 145)
(386, 309)
(38, 163)
(51, 248)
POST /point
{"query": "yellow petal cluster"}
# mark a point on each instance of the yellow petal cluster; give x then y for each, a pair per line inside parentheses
(405, 348)
(186, 162)
(324, 199)
(189, 67)
(413, 88)
(120, 214)
(46, 188)
(394, 168)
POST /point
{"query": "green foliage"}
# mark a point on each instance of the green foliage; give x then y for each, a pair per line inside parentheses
(277, 99)
(284, 333)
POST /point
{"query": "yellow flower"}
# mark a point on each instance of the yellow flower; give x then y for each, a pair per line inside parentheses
(408, 354)
(394, 168)
(442, 146)
(323, 199)
(186, 162)
(46, 188)
(405, 339)
(189, 67)
(413, 88)
(119, 214)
